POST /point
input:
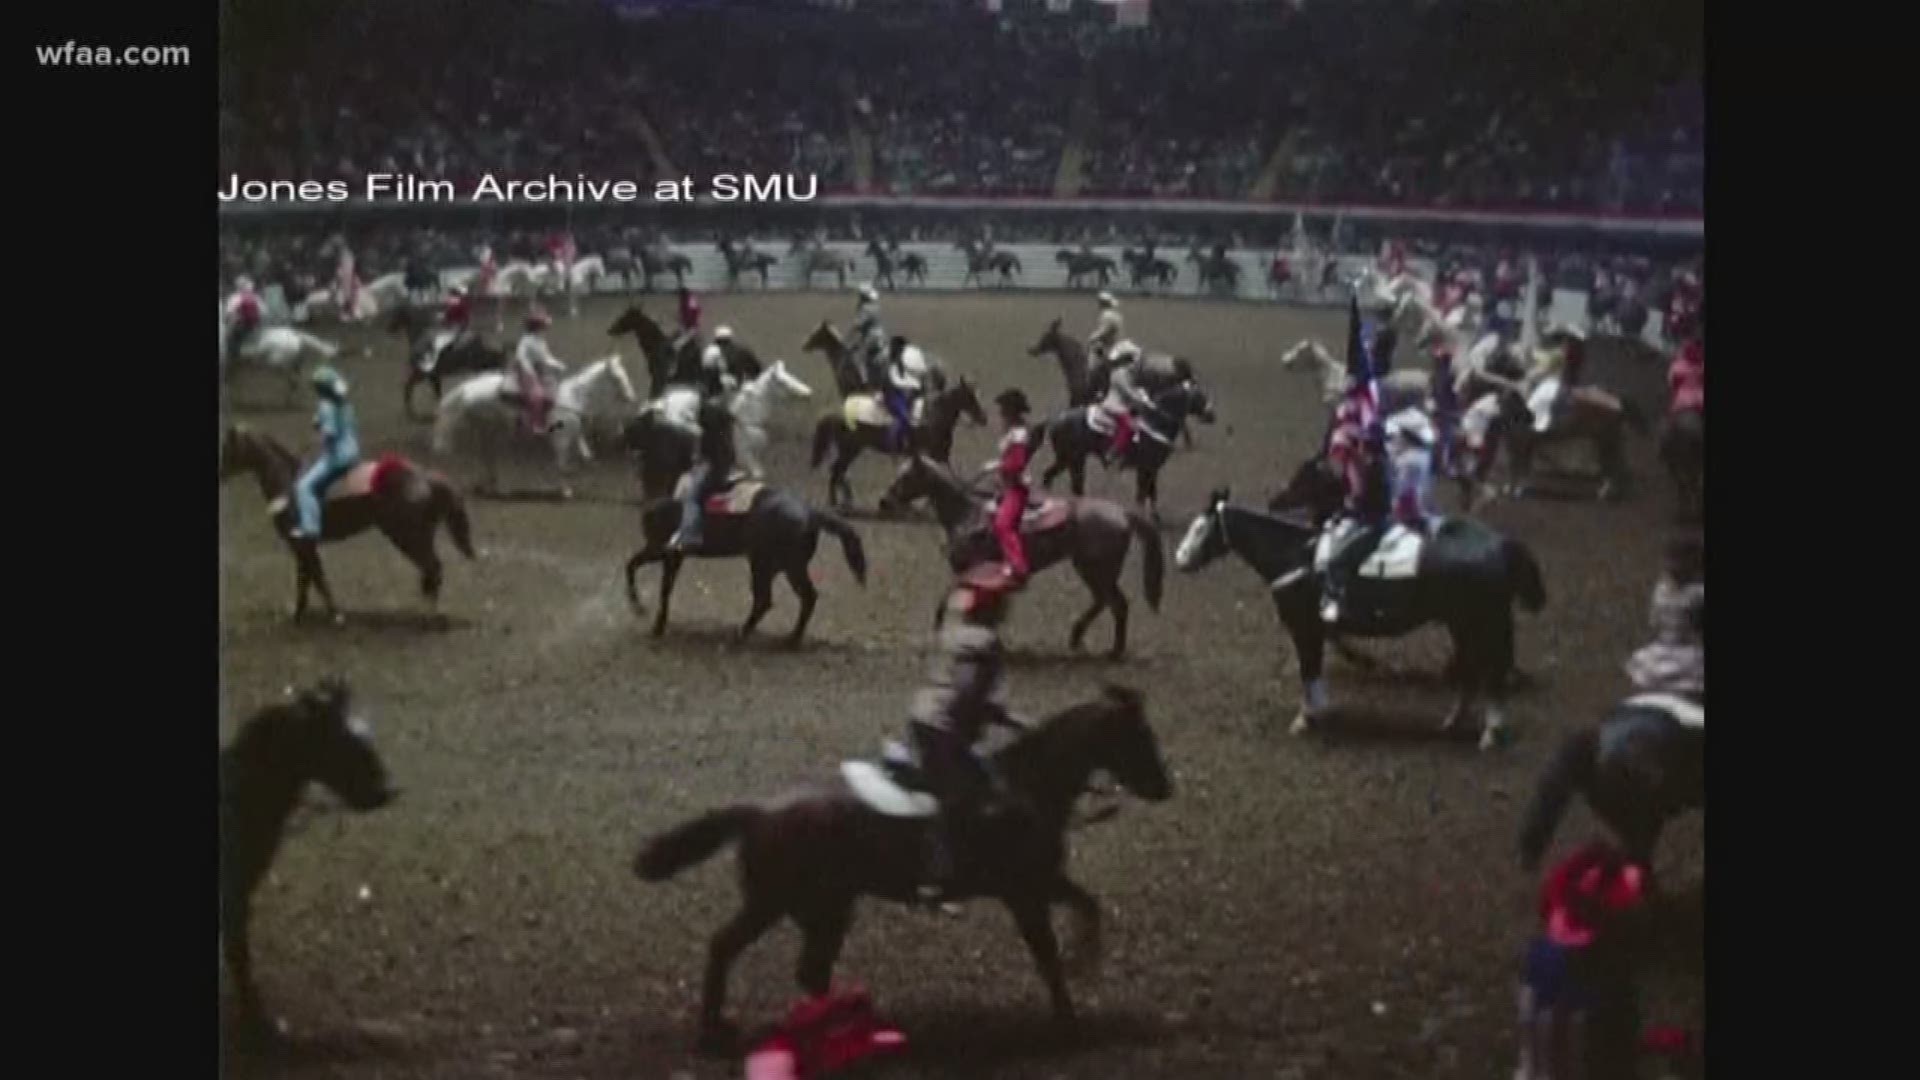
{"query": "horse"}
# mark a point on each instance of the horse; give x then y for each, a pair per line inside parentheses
(663, 364)
(666, 431)
(745, 260)
(1073, 438)
(1590, 414)
(276, 348)
(1071, 352)
(1081, 263)
(493, 398)
(981, 259)
(1683, 450)
(1218, 272)
(661, 259)
(1639, 768)
(810, 853)
(1093, 534)
(619, 259)
(816, 258)
(315, 737)
(471, 356)
(1147, 267)
(420, 281)
(752, 406)
(1400, 388)
(405, 502)
(1466, 577)
(772, 528)
(863, 423)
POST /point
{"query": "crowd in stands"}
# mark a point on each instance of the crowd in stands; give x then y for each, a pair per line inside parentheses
(1502, 103)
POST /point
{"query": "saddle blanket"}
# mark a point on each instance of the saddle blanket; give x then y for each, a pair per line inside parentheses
(737, 499)
(868, 410)
(1396, 558)
(1684, 712)
(871, 785)
(1049, 515)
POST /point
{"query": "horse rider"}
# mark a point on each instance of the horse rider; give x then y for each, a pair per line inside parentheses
(456, 315)
(711, 474)
(243, 316)
(1132, 381)
(689, 315)
(1016, 450)
(534, 370)
(1675, 662)
(1687, 375)
(948, 717)
(1556, 373)
(1410, 441)
(716, 373)
(867, 342)
(899, 389)
(339, 450)
(1443, 402)
(1108, 330)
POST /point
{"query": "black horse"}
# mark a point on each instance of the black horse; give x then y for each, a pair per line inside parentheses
(1149, 269)
(1639, 768)
(1081, 264)
(470, 355)
(312, 738)
(664, 364)
(420, 280)
(776, 532)
(982, 258)
(745, 260)
(1683, 450)
(933, 436)
(1073, 439)
(1467, 579)
(810, 853)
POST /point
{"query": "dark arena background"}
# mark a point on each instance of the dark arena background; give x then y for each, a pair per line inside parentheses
(1347, 904)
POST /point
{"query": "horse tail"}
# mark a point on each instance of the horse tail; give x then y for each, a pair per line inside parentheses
(1570, 770)
(850, 543)
(823, 433)
(453, 510)
(691, 843)
(318, 344)
(1523, 575)
(1153, 567)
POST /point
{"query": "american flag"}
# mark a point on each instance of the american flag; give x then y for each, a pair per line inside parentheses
(1359, 407)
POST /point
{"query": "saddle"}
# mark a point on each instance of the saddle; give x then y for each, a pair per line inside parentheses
(869, 409)
(736, 499)
(1049, 515)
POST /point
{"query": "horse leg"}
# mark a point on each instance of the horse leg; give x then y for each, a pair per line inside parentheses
(801, 582)
(1083, 957)
(669, 570)
(645, 555)
(1102, 595)
(762, 573)
(308, 552)
(1030, 915)
(1077, 471)
(825, 929)
(420, 553)
(236, 936)
(745, 928)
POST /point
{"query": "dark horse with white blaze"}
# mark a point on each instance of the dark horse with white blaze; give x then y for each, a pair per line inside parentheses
(311, 738)
(1073, 438)
(405, 502)
(1641, 766)
(1093, 534)
(1467, 579)
(932, 436)
(773, 529)
(469, 356)
(812, 852)
(664, 365)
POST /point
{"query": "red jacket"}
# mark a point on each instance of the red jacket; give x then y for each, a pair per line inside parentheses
(1687, 378)
(690, 313)
(457, 311)
(1016, 449)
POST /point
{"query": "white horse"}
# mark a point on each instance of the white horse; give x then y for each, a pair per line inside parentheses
(1399, 388)
(751, 407)
(275, 348)
(584, 276)
(580, 398)
(517, 278)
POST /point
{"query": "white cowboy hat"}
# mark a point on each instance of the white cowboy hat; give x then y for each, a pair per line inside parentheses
(1107, 300)
(868, 292)
(1124, 350)
(723, 333)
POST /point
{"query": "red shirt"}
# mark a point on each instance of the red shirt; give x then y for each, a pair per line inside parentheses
(457, 311)
(248, 310)
(1687, 378)
(690, 312)
(1015, 451)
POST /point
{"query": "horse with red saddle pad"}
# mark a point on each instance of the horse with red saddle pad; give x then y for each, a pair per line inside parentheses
(405, 502)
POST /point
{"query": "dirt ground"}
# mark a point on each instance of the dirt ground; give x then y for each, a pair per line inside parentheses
(1342, 905)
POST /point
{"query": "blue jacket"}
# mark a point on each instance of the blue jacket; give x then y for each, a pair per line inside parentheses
(339, 433)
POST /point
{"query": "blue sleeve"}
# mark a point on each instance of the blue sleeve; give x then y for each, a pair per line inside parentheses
(327, 421)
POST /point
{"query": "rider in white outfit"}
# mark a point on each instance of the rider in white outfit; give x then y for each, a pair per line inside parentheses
(1109, 330)
(1410, 441)
(715, 376)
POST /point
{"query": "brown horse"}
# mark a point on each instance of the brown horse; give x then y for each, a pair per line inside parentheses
(933, 436)
(1072, 354)
(809, 854)
(1590, 415)
(1092, 533)
(402, 500)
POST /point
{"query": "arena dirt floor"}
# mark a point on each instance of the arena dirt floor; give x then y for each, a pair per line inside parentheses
(1346, 904)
